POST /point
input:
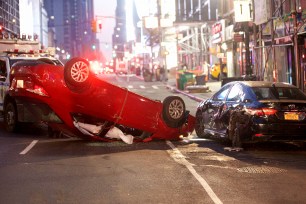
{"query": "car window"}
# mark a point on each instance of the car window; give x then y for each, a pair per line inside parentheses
(221, 94)
(234, 94)
(290, 93)
(264, 93)
(3, 72)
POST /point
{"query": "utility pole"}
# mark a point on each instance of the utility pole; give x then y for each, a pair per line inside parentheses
(296, 47)
(247, 49)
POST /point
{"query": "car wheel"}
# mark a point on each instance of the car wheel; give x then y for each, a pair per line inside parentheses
(77, 74)
(234, 129)
(10, 117)
(174, 111)
(200, 125)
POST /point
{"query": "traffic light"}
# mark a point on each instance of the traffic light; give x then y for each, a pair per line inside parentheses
(100, 24)
(94, 25)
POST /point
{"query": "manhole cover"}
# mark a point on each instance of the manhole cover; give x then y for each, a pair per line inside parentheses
(261, 169)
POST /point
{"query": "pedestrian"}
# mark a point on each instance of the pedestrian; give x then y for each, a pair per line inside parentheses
(206, 68)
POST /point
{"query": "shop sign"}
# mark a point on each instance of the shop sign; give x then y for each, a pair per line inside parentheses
(263, 13)
(283, 40)
(216, 38)
(216, 28)
(218, 32)
(238, 37)
(281, 25)
(229, 32)
(243, 10)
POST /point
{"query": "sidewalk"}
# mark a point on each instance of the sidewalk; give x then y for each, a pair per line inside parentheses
(213, 87)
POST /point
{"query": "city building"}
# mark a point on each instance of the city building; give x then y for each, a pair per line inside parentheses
(9, 17)
(119, 35)
(34, 20)
(70, 21)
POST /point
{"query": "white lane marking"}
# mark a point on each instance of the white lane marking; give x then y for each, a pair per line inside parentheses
(143, 87)
(29, 147)
(155, 87)
(179, 158)
(130, 86)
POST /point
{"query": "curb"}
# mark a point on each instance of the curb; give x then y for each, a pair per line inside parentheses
(198, 99)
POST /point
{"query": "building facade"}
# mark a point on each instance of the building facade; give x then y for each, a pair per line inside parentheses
(70, 21)
(10, 17)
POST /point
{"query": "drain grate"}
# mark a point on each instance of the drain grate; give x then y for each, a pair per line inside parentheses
(260, 169)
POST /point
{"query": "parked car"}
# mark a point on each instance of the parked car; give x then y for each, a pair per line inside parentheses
(65, 97)
(250, 111)
(217, 71)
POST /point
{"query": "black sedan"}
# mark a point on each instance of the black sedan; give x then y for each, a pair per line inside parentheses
(250, 111)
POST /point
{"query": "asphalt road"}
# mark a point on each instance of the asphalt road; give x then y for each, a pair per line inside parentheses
(38, 169)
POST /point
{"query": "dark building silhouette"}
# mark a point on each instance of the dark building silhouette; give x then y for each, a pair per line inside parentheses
(71, 21)
(119, 34)
(9, 10)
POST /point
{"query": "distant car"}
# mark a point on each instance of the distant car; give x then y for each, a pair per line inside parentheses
(65, 96)
(217, 71)
(122, 68)
(250, 111)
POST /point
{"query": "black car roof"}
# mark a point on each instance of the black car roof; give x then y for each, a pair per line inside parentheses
(263, 84)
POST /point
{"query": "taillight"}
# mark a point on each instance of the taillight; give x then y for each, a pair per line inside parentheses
(261, 111)
(28, 85)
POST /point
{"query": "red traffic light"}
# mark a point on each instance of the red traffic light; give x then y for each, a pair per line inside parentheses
(100, 24)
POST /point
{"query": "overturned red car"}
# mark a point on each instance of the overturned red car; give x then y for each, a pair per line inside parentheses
(72, 100)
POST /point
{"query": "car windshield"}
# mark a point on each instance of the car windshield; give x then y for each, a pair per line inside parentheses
(270, 93)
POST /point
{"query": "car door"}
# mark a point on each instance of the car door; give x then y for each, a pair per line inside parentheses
(4, 80)
(215, 105)
(233, 99)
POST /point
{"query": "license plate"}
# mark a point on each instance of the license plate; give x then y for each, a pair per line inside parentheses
(291, 116)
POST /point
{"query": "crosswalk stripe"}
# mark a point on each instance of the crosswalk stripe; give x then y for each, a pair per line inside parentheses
(143, 87)
(155, 87)
(130, 86)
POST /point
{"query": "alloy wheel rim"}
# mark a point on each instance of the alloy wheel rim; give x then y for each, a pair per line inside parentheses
(176, 109)
(79, 71)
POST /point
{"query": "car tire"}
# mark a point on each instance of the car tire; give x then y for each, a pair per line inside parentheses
(200, 125)
(11, 117)
(77, 74)
(174, 111)
(236, 125)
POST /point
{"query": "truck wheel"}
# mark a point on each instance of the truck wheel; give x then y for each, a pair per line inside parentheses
(77, 74)
(10, 117)
(174, 111)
